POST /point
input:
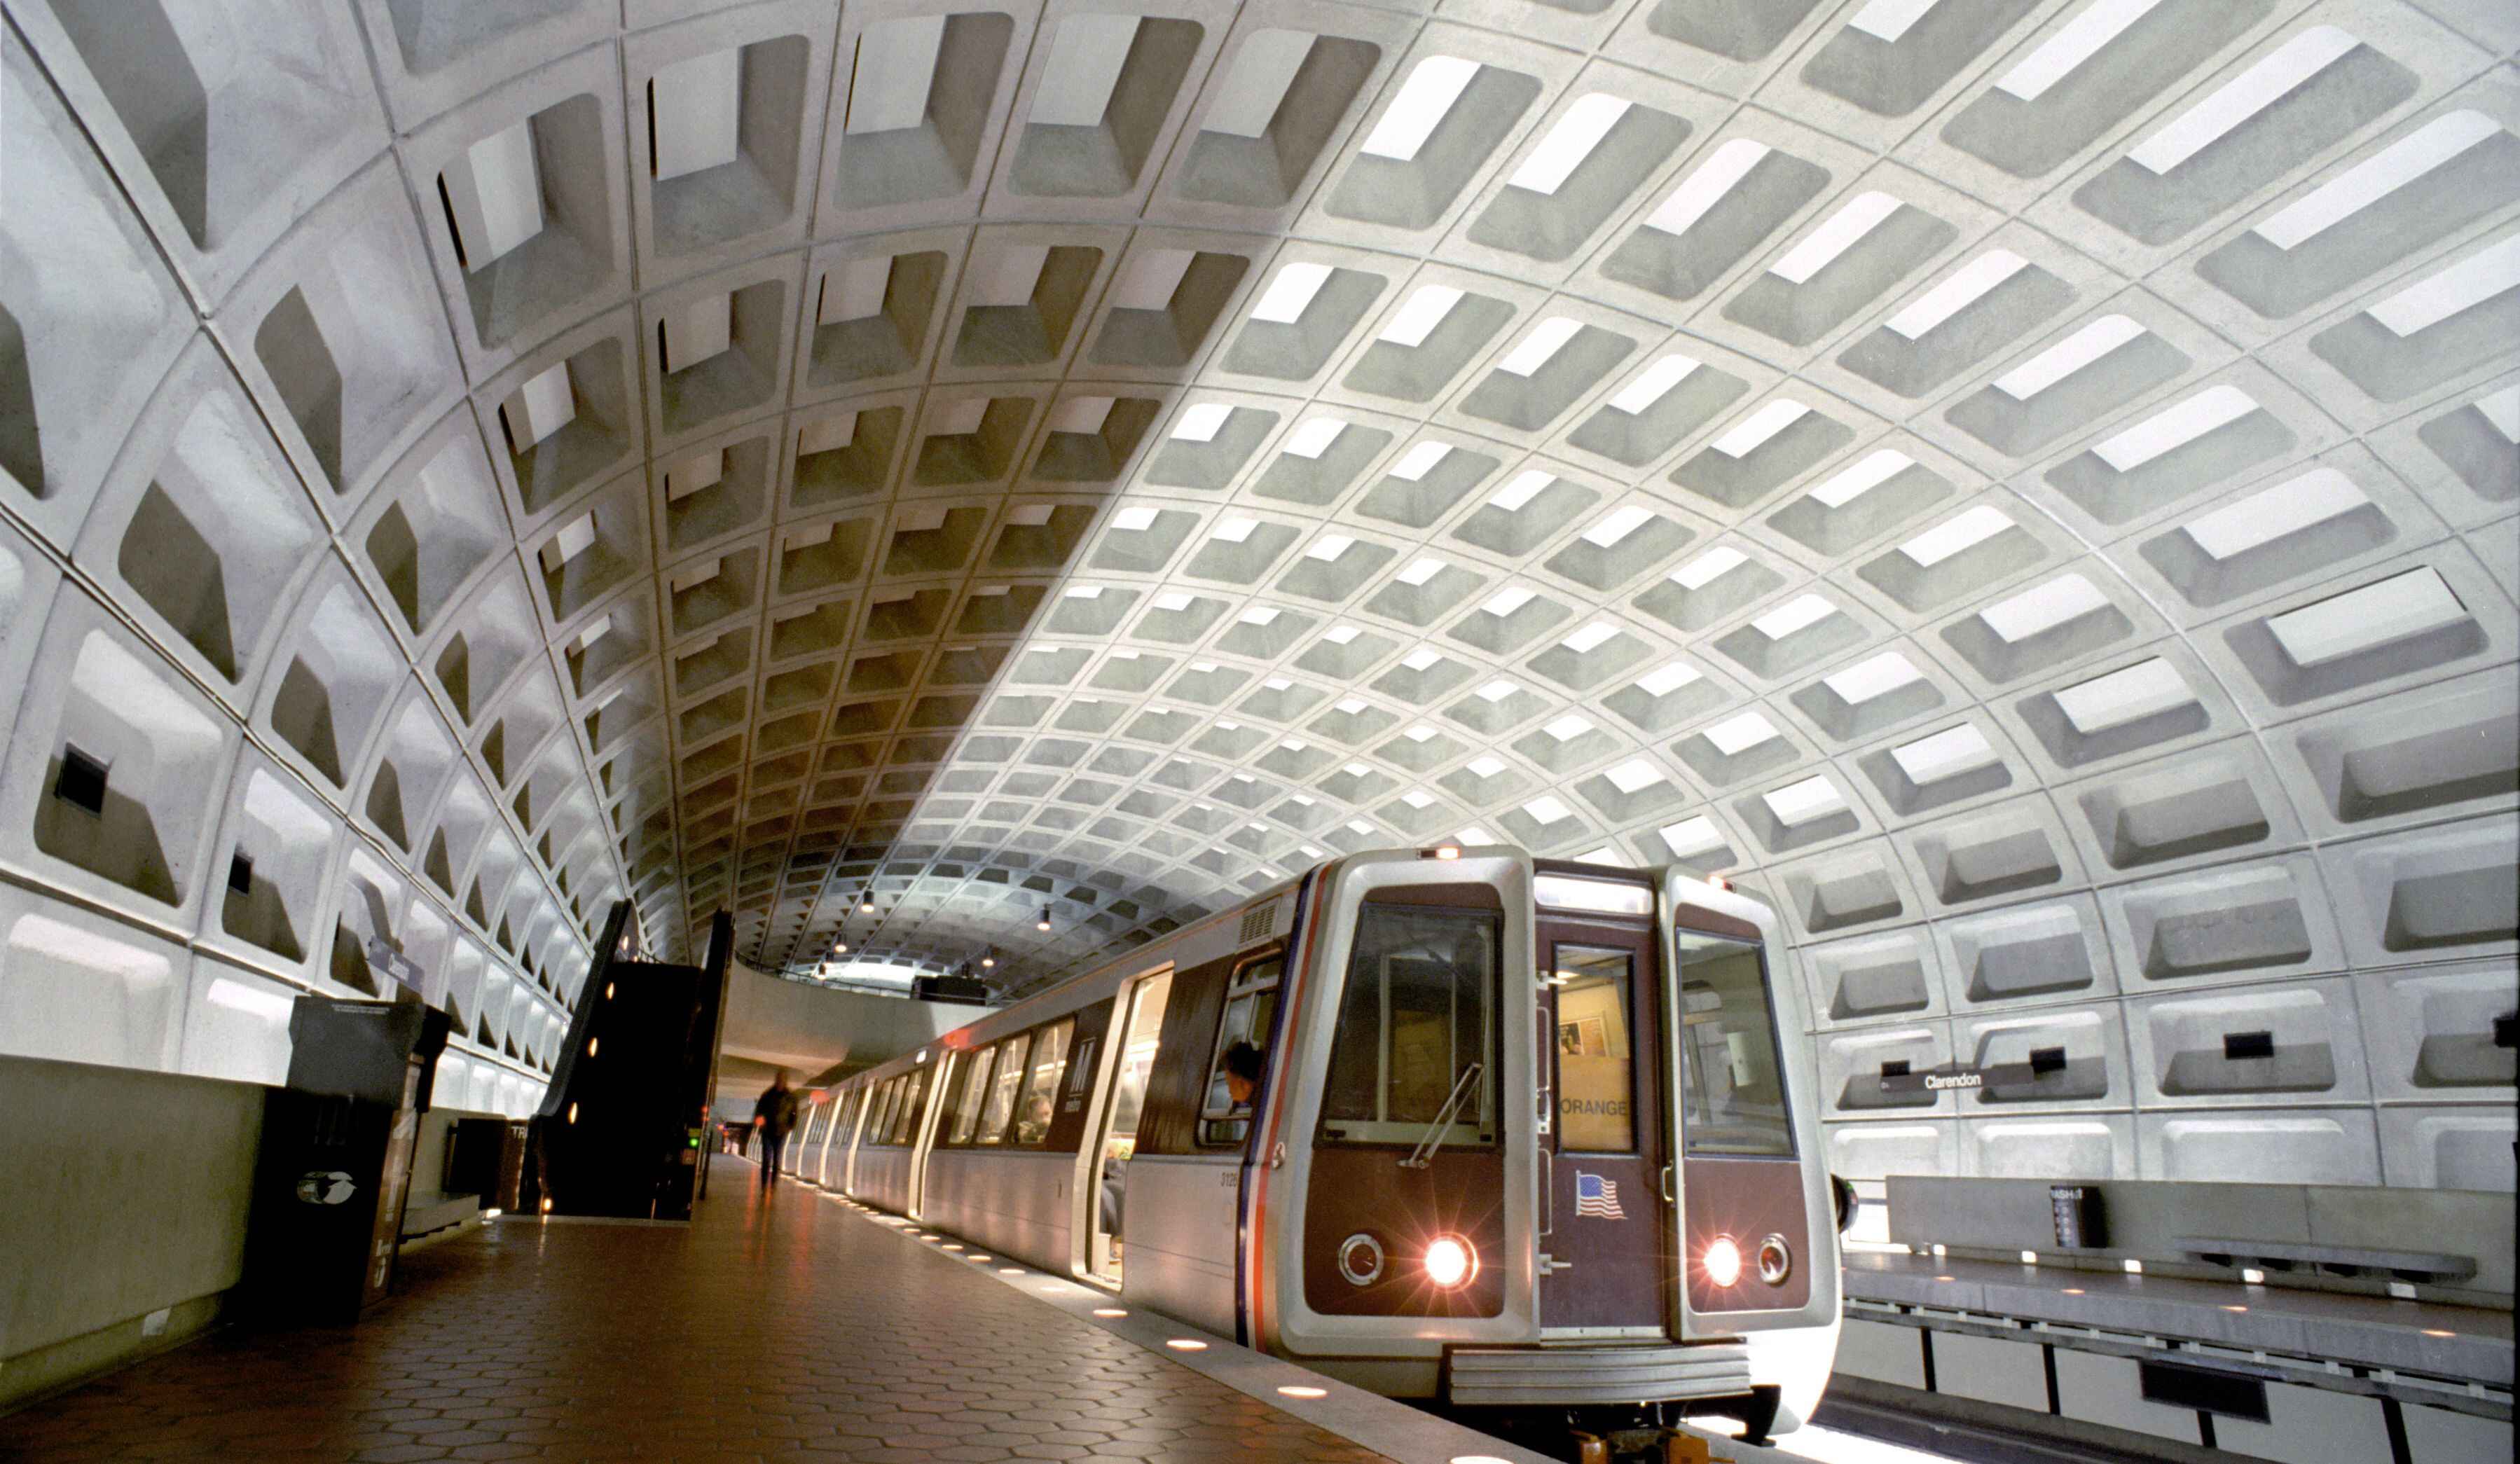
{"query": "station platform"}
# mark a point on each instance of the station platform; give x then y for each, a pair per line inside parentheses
(790, 1328)
(2219, 1367)
(2453, 1345)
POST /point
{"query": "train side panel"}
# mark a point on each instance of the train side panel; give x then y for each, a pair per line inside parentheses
(883, 1178)
(1013, 1203)
(1181, 1223)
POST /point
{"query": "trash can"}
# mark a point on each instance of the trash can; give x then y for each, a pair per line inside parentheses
(335, 1161)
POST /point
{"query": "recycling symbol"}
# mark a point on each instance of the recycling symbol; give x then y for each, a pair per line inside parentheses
(325, 1187)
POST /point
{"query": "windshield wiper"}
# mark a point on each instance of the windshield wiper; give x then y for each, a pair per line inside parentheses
(1445, 1117)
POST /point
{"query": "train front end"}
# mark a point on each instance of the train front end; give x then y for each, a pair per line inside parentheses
(1550, 1147)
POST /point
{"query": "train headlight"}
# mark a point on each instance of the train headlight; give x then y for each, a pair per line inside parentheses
(1776, 1260)
(1450, 1262)
(1723, 1262)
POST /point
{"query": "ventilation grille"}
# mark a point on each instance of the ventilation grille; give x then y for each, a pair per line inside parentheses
(1258, 924)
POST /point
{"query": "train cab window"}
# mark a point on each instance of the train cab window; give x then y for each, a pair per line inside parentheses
(1595, 1067)
(1002, 1086)
(1732, 1085)
(1419, 1012)
(1250, 1010)
(974, 1073)
(1041, 1085)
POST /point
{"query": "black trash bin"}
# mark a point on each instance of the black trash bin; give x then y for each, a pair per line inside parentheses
(335, 1161)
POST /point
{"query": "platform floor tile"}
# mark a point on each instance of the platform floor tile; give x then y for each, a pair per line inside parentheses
(784, 1330)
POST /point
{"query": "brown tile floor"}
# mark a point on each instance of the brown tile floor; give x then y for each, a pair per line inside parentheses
(785, 1331)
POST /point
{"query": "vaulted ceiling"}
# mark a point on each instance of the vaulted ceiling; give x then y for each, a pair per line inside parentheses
(1045, 472)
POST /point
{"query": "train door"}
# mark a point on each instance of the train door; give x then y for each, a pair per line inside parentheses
(830, 1132)
(1753, 1217)
(922, 1141)
(1107, 1183)
(847, 1158)
(800, 1144)
(879, 1112)
(835, 1150)
(1605, 1176)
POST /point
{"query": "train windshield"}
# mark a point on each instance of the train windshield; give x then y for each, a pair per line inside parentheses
(1731, 1086)
(1420, 1013)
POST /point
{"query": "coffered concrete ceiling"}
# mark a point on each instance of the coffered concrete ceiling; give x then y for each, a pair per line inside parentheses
(2003, 480)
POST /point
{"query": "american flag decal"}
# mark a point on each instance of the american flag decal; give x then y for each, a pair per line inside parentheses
(1598, 1197)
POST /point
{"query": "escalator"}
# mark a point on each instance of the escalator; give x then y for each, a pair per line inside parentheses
(619, 1131)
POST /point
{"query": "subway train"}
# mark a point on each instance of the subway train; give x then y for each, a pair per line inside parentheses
(1454, 1125)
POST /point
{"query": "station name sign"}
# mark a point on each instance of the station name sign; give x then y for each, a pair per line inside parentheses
(1958, 1074)
(390, 960)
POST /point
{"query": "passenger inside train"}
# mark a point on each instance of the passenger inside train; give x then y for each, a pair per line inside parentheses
(1244, 1064)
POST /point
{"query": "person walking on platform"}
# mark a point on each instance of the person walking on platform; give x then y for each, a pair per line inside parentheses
(774, 1114)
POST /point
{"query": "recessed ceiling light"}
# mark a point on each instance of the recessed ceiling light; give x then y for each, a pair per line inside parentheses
(1289, 292)
(1421, 106)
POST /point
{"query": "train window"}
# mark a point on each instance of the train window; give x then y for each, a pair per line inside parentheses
(905, 1123)
(976, 1086)
(1250, 1006)
(1002, 1086)
(1595, 1067)
(1049, 1054)
(879, 1114)
(1418, 1014)
(1731, 1086)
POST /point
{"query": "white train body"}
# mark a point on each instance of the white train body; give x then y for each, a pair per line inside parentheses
(1528, 1136)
